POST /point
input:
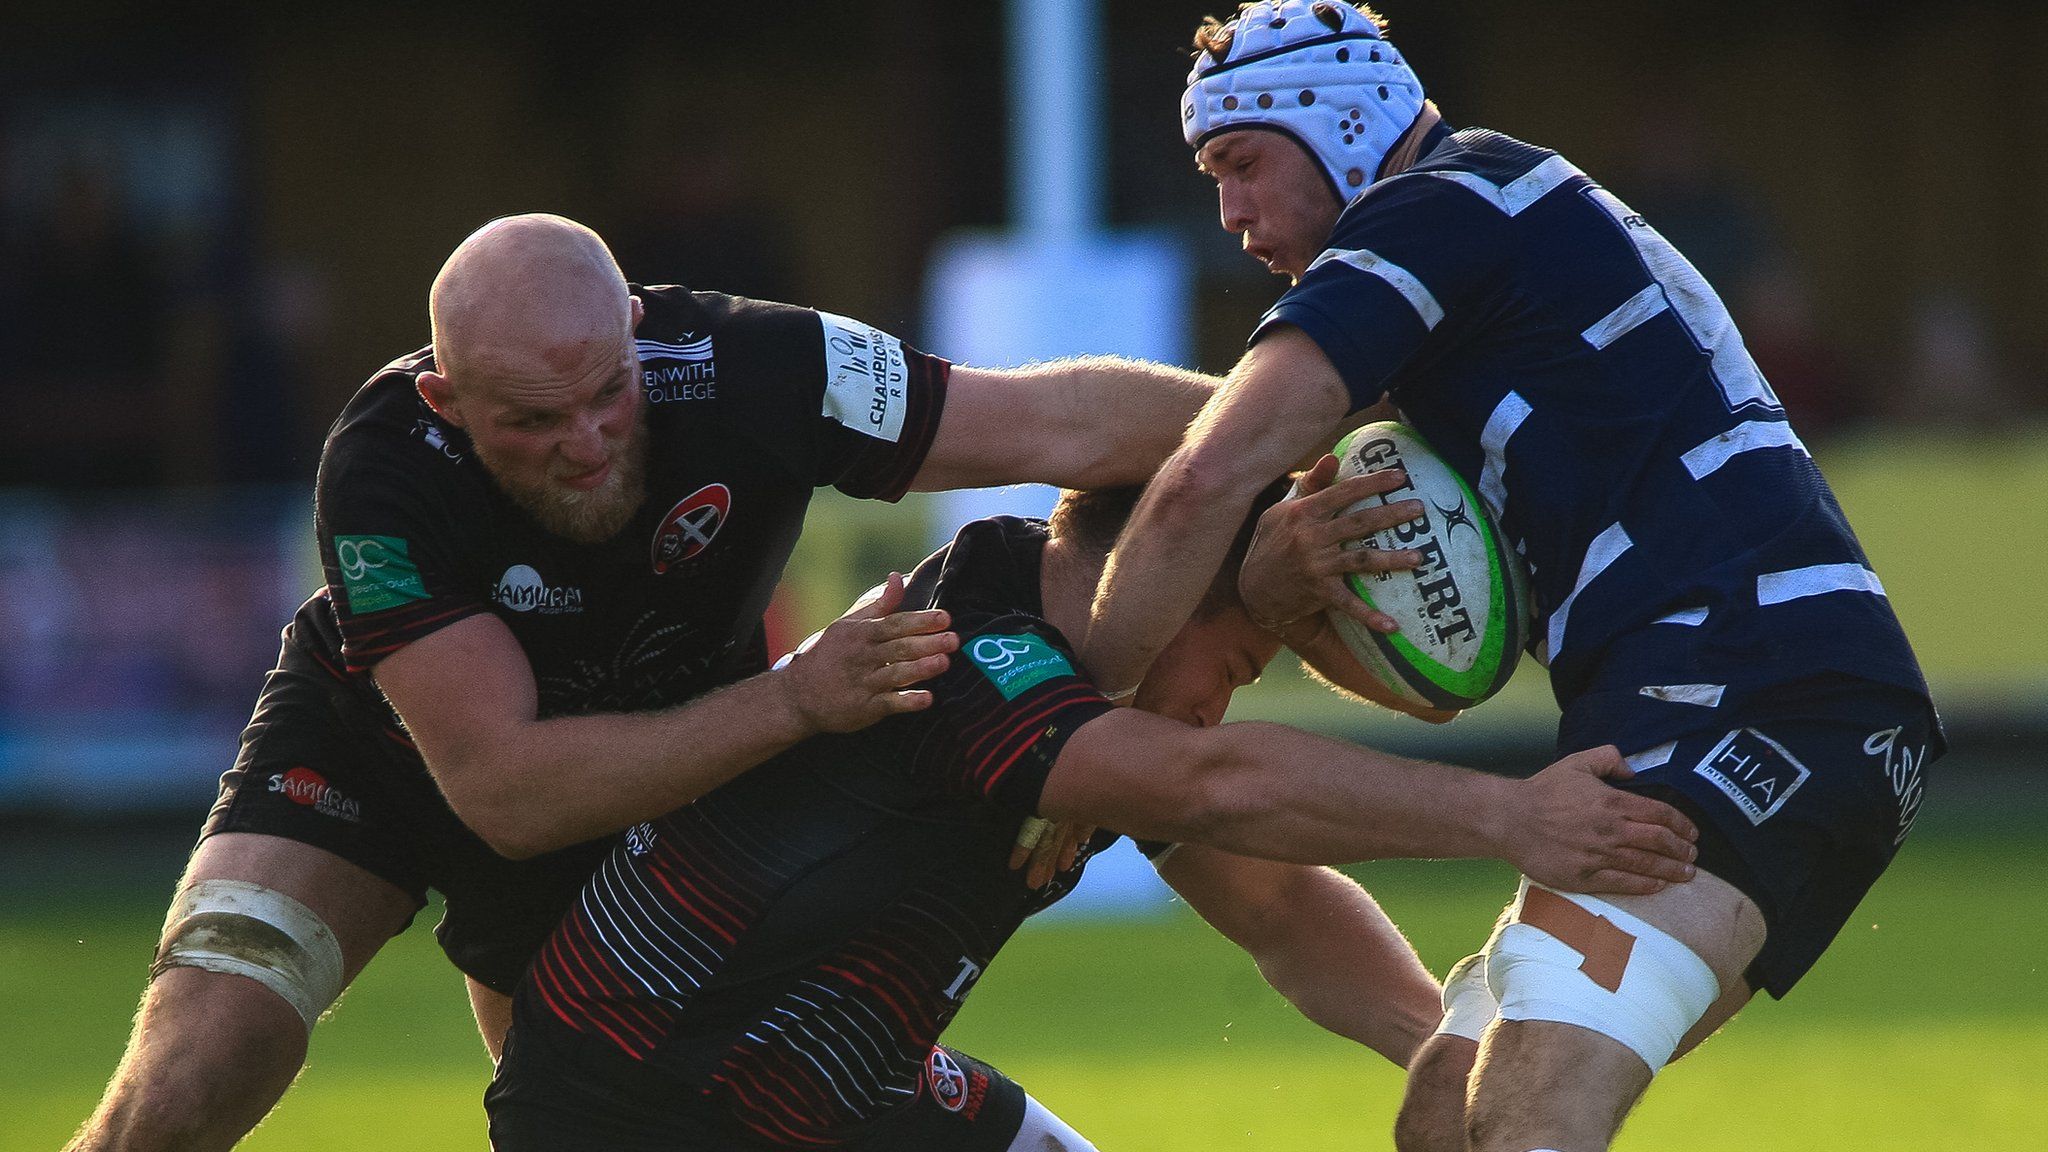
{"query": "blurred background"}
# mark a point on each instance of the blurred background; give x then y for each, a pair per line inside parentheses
(213, 229)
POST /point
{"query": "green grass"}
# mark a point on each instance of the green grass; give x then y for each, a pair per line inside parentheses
(1925, 1027)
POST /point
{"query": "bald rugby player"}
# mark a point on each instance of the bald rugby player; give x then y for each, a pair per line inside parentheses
(549, 539)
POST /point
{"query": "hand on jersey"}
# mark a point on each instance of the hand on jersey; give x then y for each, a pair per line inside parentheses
(1298, 561)
(1048, 848)
(861, 667)
(1572, 831)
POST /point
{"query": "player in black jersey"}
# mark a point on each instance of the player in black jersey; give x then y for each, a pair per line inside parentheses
(1700, 598)
(549, 539)
(772, 966)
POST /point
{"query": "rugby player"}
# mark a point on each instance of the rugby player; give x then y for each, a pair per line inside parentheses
(772, 965)
(1702, 602)
(548, 538)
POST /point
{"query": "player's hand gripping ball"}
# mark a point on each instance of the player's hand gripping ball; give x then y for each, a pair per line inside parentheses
(1464, 610)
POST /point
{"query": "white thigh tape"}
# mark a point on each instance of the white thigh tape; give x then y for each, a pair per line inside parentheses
(1633, 982)
(248, 930)
(1469, 1005)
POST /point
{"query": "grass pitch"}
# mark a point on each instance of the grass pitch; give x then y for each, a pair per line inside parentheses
(1926, 1027)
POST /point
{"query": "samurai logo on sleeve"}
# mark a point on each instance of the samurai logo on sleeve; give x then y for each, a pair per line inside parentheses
(377, 572)
(1017, 663)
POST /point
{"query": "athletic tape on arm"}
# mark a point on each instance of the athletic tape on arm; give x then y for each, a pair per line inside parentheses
(248, 930)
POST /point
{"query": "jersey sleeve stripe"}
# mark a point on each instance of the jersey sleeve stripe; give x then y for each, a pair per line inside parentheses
(1606, 548)
(1632, 314)
(1501, 427)
(1749, 436)
(1411, 288)
(1026, 727)
(1818, 580)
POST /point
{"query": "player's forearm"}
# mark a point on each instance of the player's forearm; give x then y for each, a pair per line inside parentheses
(564, 780)
(1162, 564)
(1272, 791)
(1123, 418)
(1255, 428)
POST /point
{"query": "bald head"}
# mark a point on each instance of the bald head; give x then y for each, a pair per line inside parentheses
(528, 298)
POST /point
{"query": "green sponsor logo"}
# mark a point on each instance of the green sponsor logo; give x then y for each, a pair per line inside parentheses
(377, 572)
(1017, 663)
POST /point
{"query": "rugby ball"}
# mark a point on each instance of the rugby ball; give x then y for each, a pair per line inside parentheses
(1464, 611)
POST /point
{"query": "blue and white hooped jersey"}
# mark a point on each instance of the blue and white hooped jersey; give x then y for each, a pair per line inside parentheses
(1579, 372)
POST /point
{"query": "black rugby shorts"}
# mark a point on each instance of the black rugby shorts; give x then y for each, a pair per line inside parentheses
(320, 765)
(1802, 793)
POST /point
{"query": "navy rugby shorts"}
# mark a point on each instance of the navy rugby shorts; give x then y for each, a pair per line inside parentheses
(322, 766)
(1802, 792)
(556, 1093)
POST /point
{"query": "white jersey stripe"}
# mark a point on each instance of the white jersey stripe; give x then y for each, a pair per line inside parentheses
(1403, 281)
(1500, 427)
(661, 906)
(1515, 197)
(651, 913)
(1652, 757)
(1799, 583)
(1749, 436)
(1601, 554)
(1704, 695)
(1688, 617)
(1634, 311)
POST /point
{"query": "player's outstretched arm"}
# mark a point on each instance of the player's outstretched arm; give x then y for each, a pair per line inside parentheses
(1278, 793)
(1319, 939)
(1088, 422)
(527, 785)
(1280, 403)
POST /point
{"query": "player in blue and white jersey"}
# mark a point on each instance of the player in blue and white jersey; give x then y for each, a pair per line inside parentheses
(1701, 600)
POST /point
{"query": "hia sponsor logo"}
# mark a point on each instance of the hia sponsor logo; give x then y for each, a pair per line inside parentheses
(1754, 771)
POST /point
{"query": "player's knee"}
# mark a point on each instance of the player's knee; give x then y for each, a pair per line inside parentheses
(1432, 1115)
(1579, 960)
(246, 930)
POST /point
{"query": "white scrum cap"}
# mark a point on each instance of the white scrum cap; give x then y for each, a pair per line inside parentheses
(1318, 70)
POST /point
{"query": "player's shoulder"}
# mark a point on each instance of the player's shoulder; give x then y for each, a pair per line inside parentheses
(989, 570)
(388, 442)
(388, 419)
(679, 317)
(1473, 176)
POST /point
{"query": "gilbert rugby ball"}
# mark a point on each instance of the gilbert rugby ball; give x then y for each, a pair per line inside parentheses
(1464, 612)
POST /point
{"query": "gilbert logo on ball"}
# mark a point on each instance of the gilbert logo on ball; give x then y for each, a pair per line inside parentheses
(1464, 611)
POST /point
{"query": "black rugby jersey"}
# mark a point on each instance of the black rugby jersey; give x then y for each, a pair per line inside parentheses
(1589, 384)
(750, 406)
(787, 949)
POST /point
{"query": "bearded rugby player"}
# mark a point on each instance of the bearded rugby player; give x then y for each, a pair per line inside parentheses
(549, 539)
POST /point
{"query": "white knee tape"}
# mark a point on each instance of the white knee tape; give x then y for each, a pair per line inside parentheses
(248, 930)
(1634, 983)
(1469, 1005)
